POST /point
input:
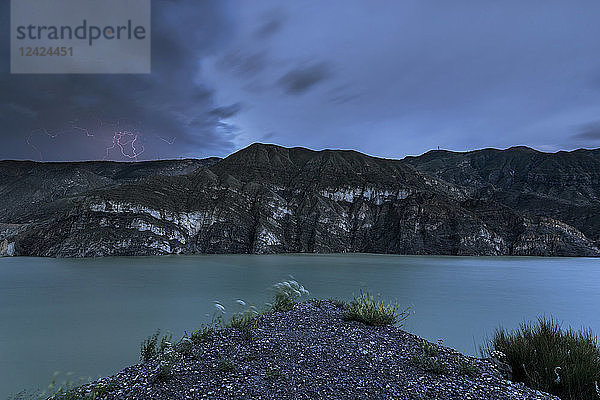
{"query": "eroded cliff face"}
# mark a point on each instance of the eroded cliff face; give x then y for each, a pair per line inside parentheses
(7, 248)
(564, 186)
(269, 199)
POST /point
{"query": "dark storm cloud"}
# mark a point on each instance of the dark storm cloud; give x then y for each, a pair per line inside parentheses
(589, 131)
(386, 78)
(417, 74)
(66, 117)
(267, 136)
(271, 24)
(301, 79)
(243, 63)
(227, 111)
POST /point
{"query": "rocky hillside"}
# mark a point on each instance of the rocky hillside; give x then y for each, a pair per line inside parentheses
(564, 186)
(270, 199)
(310, 352)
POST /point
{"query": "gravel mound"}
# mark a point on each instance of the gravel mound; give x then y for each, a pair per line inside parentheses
(312, 353)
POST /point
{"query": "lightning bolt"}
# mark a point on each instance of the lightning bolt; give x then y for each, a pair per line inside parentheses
(122, 139)
(84, 130)
(167, 141)
(28, 140)
(123, 135)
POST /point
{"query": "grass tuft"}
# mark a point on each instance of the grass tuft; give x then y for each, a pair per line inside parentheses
(546, 357)
(368, 310)
(164, 372)
(341, 304)
(185, 346)
(225, 365)
(287, 294)
(202, 334)
(430, 349)
(466, 368)
(430, 364)
(151, 347)
(167, 358)
(69, 390)
(244, 321)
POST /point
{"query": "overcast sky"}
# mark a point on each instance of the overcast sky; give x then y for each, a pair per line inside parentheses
(388, 78)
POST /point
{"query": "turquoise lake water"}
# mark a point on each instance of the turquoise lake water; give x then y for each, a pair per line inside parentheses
(88, 316)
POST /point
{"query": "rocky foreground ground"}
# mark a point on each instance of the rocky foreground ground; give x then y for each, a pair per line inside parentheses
(311, 352)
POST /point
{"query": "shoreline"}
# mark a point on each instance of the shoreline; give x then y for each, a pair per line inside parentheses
(306, 353)
(557, 257)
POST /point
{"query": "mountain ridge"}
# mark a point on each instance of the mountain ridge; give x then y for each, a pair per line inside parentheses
(272, 199)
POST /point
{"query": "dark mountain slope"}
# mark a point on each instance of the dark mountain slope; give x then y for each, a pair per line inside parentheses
(564, 185)
(29, 188)
(270, 199)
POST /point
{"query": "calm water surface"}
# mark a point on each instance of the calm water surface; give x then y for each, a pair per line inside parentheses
(89, 316)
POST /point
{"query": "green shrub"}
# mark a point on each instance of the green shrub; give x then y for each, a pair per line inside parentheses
(430, 349)
(366, 309)
(319, 303)
(167, 358)
(466, 368)
(287, 294)
(164, 372)
(546, 357)
(82, 390)
(151, 347)
(225, 365)
(185, 346)
(201, 334)
(341, 304)
(67, 390)
(430, 364)
(245, 320)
